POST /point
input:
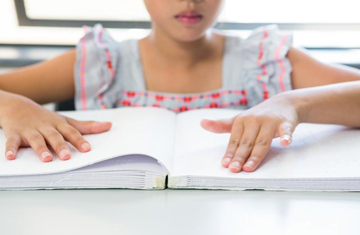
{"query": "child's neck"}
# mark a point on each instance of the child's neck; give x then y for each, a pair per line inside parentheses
(184, 54)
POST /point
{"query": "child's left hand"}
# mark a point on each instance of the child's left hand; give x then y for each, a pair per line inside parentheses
(253, 130)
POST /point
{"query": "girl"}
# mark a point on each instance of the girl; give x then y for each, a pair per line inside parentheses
(182, 64)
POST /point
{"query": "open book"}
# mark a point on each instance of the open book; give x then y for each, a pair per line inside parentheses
(152, 148)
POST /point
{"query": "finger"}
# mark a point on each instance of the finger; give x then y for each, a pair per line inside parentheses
(57, 143)
(245, 147)
(236, 133)
(261, 147)
(38, 144)
(74, 137)
(12, 146)
(89, 127)
(217, 126)
(285, 131)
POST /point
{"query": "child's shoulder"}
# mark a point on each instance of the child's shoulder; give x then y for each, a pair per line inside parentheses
(264, 36)
(99, 42)
(263, 45)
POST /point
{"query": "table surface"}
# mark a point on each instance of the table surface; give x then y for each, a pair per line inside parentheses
(178, 212)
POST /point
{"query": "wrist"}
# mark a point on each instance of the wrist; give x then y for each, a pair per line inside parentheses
(5, 97)
(300, 104)
(11, 103)
(4, 104)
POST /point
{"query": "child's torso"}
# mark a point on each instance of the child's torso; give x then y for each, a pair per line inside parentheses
(210, 86)
(195, 70)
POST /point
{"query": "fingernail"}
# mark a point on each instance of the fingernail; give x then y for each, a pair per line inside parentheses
(250, 164)
(235, 165)
(286, 138)
(8, 153)
(226, 161)
(229, 155)
(63, 153)
(85, 146)
(45, 154)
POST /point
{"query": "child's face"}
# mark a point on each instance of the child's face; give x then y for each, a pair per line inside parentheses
(183, 20)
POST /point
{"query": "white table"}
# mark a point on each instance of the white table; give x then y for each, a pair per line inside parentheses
(133, 212)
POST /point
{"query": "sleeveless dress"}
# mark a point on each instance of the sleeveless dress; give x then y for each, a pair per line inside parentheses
(109, 74)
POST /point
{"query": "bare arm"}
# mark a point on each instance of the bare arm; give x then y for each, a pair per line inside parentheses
(308, 72)
(332, 104)
(45, 82)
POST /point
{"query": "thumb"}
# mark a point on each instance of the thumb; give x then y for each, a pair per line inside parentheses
(89, 127)
(217, 126)
(285, 131)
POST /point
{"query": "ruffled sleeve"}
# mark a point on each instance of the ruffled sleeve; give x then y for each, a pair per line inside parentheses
(95, 69)
(266, 69)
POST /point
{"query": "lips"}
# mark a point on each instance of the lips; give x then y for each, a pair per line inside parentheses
(189, 18)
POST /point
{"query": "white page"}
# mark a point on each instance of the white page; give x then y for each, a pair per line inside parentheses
(126, 163)
(146, 131)
(317, 151)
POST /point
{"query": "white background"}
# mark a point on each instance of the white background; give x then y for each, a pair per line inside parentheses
(318, 11)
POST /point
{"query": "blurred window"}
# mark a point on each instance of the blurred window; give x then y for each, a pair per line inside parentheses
(315, 23)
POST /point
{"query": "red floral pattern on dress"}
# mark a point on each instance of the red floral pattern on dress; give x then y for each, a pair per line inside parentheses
(186, 101)
(159, 98)
(130, 94)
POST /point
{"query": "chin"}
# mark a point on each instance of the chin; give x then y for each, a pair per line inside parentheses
(188, 36)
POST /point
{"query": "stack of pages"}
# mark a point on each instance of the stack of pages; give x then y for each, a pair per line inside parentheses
(152, 148)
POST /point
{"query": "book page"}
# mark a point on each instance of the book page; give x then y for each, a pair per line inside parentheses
(146, 131)
(126, 163)
(317, 151)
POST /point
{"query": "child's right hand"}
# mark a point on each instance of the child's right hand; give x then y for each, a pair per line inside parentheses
(25, 123)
